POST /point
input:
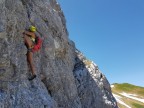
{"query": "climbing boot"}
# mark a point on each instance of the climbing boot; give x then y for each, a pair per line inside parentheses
(32, 77)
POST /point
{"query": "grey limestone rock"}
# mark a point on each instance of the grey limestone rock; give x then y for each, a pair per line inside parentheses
(62, 82)
(93, 88)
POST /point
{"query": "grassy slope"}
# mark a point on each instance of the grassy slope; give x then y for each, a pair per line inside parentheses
(128, 88)
(131, 89)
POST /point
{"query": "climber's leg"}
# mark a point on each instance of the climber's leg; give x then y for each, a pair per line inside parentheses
(29, 44)
(30, 61)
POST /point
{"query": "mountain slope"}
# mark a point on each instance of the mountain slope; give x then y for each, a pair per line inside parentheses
(128, 95)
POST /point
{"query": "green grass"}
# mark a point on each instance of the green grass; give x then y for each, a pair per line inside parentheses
(138, 105)
(129, 88)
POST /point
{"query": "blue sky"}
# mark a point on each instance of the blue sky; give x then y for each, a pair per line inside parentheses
(110, 33)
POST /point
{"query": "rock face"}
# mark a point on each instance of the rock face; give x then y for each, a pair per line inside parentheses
(93, 88)
(66, 79)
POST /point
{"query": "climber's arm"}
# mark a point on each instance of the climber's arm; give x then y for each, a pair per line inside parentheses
(28, 33)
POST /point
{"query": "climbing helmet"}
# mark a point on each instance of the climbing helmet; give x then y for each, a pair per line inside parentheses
(32, 28)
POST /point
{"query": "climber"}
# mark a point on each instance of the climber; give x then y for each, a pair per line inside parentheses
(29, 40)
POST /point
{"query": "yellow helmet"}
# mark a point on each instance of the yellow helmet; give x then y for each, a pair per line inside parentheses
(32, 28)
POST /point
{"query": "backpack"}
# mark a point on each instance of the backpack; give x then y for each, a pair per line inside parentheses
(37, 45)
